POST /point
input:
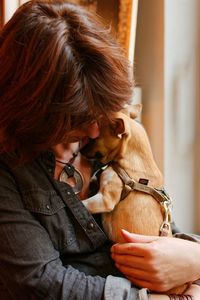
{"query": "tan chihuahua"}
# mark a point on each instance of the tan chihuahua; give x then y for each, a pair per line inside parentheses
(131, 194)
(125, 147)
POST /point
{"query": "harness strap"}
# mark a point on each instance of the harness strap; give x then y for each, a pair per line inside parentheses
(159, 195)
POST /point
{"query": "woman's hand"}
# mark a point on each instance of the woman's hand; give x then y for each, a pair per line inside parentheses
(157, 263)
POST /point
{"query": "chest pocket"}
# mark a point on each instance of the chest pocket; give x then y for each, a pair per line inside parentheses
(43, 202)
(52, 213)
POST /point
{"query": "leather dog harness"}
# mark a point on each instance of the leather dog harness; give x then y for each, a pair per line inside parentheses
(159, 195)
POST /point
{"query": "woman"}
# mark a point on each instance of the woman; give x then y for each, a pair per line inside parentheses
(62, 76)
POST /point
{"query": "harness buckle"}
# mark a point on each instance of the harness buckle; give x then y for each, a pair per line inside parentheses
(164, 228)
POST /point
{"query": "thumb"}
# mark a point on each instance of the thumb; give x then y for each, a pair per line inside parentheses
(137, 238)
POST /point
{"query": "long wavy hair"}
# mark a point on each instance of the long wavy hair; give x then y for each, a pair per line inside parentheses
(60, 69)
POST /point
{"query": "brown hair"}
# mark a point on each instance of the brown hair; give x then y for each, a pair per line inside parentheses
(60, 69)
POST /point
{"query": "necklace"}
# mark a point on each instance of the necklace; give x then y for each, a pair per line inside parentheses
(71, 160)
(69, 171)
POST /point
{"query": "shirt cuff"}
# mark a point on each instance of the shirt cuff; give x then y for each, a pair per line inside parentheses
(117, 288)
(190, 237)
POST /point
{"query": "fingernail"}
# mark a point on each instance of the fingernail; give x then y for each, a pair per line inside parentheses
(124, 230)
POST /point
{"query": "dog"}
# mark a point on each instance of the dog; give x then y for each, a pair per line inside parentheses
(124, 146)
(131, 194)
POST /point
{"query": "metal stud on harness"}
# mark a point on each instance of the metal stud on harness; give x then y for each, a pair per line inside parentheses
(160, 195)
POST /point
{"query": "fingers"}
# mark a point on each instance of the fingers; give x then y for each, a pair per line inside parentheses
(142, 278)
(153, 286)
(130, 261)
(140, 282)
(137, 245)
(135, 273)
(137, 238)
(128, 249)
(139, 249)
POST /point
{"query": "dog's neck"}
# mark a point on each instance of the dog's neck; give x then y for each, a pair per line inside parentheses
(137, 159)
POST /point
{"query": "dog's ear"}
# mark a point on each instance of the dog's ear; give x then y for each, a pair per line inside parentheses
(118, 127)
(133, 110)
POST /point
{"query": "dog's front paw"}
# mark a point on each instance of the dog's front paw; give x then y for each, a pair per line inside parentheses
(94, 204)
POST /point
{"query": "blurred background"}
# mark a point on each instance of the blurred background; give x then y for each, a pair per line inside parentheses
(162, 40)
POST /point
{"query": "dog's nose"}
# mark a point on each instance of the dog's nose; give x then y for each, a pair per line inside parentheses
(98, 155)
(85, 150)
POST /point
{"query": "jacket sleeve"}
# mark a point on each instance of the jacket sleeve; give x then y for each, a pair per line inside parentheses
(186, 236)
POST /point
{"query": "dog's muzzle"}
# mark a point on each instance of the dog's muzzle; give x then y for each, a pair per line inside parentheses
(88, 151)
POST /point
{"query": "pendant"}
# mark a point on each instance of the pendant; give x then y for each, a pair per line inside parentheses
(70, 171)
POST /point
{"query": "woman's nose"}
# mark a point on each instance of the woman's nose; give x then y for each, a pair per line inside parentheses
(93, 130)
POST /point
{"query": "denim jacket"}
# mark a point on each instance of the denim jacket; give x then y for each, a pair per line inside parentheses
(51, 246)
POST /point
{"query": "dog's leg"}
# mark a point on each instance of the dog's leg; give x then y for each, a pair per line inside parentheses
(108, 195)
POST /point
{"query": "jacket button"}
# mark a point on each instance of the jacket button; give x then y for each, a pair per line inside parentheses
(90, 225)
(47, 206)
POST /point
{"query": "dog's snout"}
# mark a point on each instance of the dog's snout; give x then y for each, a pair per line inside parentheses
(91, 151)
(87, 149)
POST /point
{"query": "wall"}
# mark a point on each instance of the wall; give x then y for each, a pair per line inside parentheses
(9, 8)
(149, 72)
(181, 102)
(1, 13)
(109, 10)
(197, 145)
